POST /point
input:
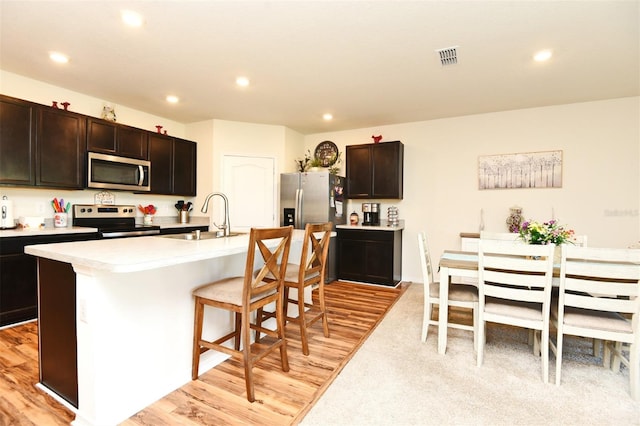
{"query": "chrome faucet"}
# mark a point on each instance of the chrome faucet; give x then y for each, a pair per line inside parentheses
(226, 225)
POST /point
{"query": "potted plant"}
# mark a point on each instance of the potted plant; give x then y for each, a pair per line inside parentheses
(315, 165)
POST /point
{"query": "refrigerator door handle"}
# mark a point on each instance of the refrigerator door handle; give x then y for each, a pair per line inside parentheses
(299, 200)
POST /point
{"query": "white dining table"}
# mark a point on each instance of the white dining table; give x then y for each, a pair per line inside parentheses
(465, 265)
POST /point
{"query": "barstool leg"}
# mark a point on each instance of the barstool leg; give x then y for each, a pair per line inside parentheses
(280, 318)
(197, 335)
(302, 321)
(245, 331)
(323, 309)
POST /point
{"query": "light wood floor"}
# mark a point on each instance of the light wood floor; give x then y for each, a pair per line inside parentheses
(218, 396)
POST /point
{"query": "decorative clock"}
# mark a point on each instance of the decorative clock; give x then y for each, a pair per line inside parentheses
(327, 153)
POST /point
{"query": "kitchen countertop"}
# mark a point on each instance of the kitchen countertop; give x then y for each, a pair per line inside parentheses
(142, 253)
(164, 222)
(47, 230)
(382, 227)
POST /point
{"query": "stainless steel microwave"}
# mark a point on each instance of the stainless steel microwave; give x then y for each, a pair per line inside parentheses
(113, 172)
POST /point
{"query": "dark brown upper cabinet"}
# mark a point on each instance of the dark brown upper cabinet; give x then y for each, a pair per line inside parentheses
(41, 145)
(184, 167)
(375, 171)
(60, 148)
(117, 139)
(17, 142)
(173, 165)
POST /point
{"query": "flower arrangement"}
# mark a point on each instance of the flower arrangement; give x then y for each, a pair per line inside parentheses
(148, 210)
(550, 232)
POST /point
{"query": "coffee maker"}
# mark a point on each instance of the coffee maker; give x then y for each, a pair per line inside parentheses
(371, 214)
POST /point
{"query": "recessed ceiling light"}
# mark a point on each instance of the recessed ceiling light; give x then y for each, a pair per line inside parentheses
(242, 81)
(172, 99)
(327, 117)
(59, 57)
(543, 55)
(131, 18)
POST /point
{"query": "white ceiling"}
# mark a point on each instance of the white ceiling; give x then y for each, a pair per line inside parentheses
(368, 63)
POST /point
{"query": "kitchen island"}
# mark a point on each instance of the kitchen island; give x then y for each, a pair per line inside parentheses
(128, 304)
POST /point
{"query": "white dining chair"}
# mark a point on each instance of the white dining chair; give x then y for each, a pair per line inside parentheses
(514, 288)
(460, 295)
(599, 298)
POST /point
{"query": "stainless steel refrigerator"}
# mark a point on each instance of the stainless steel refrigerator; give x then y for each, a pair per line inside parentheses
(313, 197)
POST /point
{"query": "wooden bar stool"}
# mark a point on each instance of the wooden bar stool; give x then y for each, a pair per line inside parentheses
(309, 272)
(243, 295)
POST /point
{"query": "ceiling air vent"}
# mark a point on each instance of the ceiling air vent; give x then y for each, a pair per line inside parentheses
(448, 55)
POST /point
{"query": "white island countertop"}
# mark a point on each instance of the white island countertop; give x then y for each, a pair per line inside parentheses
(142, 253)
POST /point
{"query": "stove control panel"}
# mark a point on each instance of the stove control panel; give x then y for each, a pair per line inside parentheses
(103, 211)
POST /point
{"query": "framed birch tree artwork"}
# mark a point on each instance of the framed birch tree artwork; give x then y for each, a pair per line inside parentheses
(524, 170)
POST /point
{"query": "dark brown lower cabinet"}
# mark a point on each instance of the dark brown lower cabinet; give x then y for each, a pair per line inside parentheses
(18, 275)
(18, 288)
(370, 256)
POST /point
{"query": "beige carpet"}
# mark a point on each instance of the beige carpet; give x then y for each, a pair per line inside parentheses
(396, 379)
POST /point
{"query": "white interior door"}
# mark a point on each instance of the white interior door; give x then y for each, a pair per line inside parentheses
(249, 183)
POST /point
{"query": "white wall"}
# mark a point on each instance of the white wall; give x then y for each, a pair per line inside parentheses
(238, 138)
(43, 93)
(230, 137)
(600, 196)
(600, 141)
(36, 202)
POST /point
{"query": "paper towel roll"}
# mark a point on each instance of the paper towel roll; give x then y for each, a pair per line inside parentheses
(6, 217)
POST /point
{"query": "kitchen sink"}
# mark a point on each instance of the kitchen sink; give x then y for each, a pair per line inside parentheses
(203, 236)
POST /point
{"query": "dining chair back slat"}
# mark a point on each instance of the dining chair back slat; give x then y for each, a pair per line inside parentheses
(533, 294)
(590, 286)
(600, 303)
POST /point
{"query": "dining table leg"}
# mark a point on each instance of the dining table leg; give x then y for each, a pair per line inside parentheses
(443, 309)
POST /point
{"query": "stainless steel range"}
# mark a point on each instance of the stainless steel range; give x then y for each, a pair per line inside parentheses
(112, 221)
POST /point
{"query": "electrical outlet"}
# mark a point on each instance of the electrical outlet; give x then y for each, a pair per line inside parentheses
(82, 310)
(40, 208)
